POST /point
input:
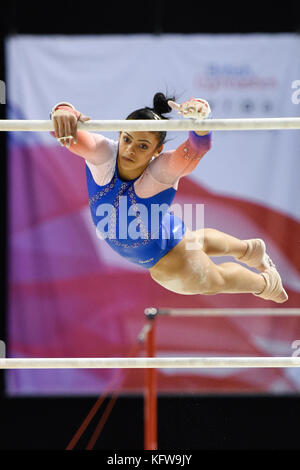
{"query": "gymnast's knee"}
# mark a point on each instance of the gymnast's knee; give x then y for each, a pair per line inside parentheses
(210, 282)
(214, 282)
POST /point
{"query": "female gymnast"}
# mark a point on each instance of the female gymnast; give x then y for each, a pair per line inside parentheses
(134, 172)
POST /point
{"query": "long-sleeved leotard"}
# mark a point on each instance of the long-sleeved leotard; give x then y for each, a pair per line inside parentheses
(133, 216)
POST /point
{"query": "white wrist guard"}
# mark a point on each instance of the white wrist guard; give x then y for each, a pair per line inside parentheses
(60, 104)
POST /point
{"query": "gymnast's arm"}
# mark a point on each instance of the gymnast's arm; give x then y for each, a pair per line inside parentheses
(94, 148)
(166, 170)
(170, 166)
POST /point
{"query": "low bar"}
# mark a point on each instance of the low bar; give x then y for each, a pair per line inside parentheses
(144, 363)
(223, 312)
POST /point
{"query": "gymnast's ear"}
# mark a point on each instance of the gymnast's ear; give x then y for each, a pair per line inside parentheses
(158, 151)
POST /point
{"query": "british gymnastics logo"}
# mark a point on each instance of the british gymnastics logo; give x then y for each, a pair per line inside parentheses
(219, 76)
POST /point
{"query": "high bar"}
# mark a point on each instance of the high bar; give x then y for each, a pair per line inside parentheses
(159, 125)
(145, 363)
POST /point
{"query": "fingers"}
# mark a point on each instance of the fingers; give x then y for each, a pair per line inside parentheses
(56, 129)
(83, 118)
(174, 105)
(73, 131)
(203, 108)
(64, 131)
(68, 136)
(65, 126)
(195, 109)
(191, 107)
(61, 130)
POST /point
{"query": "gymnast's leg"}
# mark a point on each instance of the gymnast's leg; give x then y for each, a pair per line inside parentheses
(216, 243)
(251, 252)
(191, 271)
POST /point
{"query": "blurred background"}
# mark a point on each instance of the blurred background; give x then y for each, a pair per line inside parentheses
(65, 293)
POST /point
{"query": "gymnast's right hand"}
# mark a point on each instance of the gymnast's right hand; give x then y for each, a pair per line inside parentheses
(65, 121)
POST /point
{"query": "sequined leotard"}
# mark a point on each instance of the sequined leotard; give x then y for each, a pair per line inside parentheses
(142, 229)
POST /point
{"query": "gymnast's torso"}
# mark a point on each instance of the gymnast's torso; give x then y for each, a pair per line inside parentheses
(133, 216)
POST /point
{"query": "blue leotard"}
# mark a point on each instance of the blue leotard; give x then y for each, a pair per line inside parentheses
(131, 225)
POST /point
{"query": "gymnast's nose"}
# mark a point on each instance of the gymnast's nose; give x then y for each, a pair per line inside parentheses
(130, 151)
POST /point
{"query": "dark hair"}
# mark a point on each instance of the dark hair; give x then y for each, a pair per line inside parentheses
(160, 107)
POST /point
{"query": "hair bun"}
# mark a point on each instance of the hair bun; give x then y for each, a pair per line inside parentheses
(160, 104)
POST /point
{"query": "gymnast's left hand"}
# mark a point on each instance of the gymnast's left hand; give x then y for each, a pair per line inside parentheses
(193, 108)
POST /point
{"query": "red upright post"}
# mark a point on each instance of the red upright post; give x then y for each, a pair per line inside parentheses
(150, 397)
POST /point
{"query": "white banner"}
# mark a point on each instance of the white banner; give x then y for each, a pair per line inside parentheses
(106, 77)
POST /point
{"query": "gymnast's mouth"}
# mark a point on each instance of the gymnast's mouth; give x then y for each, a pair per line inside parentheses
(128, 159)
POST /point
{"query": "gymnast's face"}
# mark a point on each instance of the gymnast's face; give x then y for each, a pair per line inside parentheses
(136, 150)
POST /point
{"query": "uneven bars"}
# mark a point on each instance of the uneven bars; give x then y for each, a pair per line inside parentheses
(160, 125)
(220, 312)
(145, 363)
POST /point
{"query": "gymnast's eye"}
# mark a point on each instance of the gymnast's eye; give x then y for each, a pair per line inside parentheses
(125, 138)
(144, 146)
